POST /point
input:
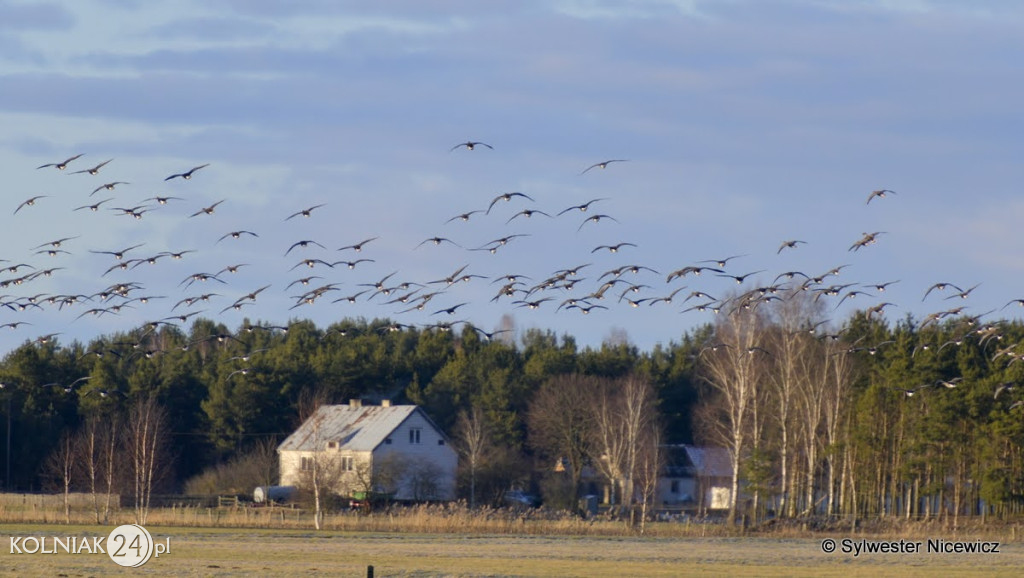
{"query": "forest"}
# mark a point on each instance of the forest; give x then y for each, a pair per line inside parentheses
(870, 418)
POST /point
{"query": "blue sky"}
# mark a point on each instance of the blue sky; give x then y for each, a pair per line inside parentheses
(744, 123)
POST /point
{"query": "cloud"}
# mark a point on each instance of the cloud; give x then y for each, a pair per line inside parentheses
(25, 17)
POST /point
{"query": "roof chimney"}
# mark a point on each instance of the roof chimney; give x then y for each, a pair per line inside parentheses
(355, 403)
(385, 403)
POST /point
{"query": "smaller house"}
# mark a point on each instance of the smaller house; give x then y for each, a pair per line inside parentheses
(695, 477)
(355, 450)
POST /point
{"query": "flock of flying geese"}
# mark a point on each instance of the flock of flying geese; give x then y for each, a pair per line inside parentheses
(581, 288)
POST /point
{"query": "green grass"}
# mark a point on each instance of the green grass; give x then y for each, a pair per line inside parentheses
(304, 552)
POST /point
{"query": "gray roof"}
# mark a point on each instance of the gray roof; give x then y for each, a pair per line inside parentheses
(356, 428)
(709, 461)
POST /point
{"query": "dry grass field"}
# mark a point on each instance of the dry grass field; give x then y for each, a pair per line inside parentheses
(298, 552)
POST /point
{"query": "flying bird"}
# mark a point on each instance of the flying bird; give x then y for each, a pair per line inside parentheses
(236, 235)
(187, 174)
(29, 202)
(464, 216)
(207, 210)
(612, 248)
(107, 186)
(304, 243)
(867, 239)
(358, 246)
(94, 170)
(505, 197)
(790, 244)
(880, 194)
(721, 262)
(602, 164)
(436, 241)
(162, 200)
(304, 212)
(61, 165)
(471, 145)
(94, 207)
(582, 208)
(526, 213)
(941, 286)
(596, 219)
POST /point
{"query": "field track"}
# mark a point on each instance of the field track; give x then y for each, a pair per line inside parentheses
(230, 552)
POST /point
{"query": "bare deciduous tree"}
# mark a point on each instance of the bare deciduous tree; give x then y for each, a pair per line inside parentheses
(472, 441)
(731, 368)
(61, 465)
(625, 419)
(560, 422)
(146, 435)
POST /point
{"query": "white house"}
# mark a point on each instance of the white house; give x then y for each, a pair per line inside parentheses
(699, 477)
(357, 448)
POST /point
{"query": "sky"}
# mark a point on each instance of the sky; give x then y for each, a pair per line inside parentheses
(738, 124)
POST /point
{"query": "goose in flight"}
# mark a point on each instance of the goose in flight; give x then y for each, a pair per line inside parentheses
(436, 241)
(358, 246)
(228, 269)
(107, 186)
(740, 278)
(350, 298)
(879, 194)
(789, 244)
(56, 243)
(177, 256)
(603, 164)
(304, 212)
(236, 235)
(964, 293)
(881, 287)
(721, 262)
(187, 174)
(505, 197)
(311, 263)
(449, 310)
(526, 213)
(867, 239)
(29, 202)
(94, 207)
(304, 243)
(464, 216)
(531, 304)
(94, 170)
(206, 210)
(596, 219)
(471, 145)
(69, 387)
(352, 264)
(940, 286)
(612, 248)
(696, 270)
(163, 200)
(582, 208)
(61, 165)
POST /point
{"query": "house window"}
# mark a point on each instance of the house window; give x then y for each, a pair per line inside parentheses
(332, 445)
(440, 442)
(414, 435)
(347, 464)
(675, 487)
(387, 441)
(306, 464)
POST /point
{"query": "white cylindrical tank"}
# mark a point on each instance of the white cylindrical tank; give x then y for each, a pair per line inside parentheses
(266, 494)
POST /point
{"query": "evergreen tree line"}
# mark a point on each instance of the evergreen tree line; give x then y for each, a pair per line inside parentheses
(864, 419)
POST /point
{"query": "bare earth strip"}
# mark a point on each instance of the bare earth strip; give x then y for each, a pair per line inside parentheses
(212, 552)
